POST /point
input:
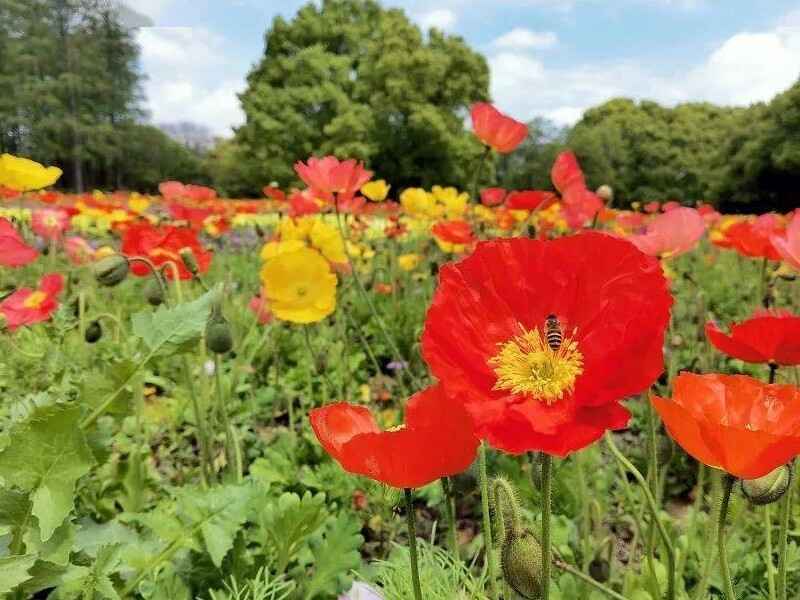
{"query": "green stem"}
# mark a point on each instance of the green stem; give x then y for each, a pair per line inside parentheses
(231, 451)
(202, 432)
(547, 482)
(584, 528)
(770, 568)
(711, 536)
(653, 507)
(725, 570)
(487, 522)
(101, 408)
(783, 540)
(568, 568)
(450, 509)
(412, 544)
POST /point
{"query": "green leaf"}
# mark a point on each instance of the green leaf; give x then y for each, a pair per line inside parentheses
(15, 514)
(55, 550)
(14, 570)
(170, 331)
(47, 455)
(336, 554)
(91, 537)
(94, 581)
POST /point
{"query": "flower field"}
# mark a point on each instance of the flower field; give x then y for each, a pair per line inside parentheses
(347, 390)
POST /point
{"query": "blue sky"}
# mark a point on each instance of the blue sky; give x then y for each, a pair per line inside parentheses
(552, 58)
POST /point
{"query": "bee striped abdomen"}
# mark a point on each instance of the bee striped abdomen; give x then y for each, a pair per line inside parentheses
(553, 332)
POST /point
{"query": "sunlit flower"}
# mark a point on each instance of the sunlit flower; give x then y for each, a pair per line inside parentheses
(488, 330)
(299, 286)
(733, 422)
(24, 175)
(497, 130)
(436, 440)
(27, 306)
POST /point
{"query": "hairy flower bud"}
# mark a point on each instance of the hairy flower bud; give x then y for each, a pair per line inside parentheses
(769, 488)
(93, 332)
(111, 270)
(218, 333)
(521, 559)
(154, 292)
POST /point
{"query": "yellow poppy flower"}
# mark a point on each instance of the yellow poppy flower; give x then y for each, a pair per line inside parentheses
(376, 190)
(409, 262)
(273, 249)
(299, 286)
(24, 175)
(418, 203)
(327, 239)
(138, 203)
(454, 203)
(296, 229)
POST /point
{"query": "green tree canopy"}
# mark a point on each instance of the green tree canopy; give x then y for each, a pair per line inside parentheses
(353, 79)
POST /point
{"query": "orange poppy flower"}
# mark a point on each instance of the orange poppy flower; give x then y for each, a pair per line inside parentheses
(27, 306)
(436, 441)
(163, 244)
(542, 339)
(733, 422)
(754, 238)
(497, 130)
(453, 232)
(328, 176)
(580, 204)
(767, 337)
(530, 200)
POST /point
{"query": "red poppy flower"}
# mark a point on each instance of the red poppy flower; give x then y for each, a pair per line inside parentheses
(767, 337)
(453, 232)
(492, 196)
(50, 223)
(14, 252)
(530, 200)
(497, 130)
(260, 308)
(27, 306)
(301, 204)
(436, 441)
(274, 193)
(788, 244)
(328, 176)
(199, 193)
(671, 233)
(754, 238)
(172, 190)
(579, 203)
(488, 331)
(733, 422)
(163, 244)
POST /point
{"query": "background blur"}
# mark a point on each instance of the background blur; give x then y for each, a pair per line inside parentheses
(662, 99)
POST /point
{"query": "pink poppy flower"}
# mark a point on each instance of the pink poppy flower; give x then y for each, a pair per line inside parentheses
(671, 233)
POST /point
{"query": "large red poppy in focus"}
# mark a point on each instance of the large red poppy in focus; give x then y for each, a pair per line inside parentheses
(485, 337)
(767, 337)
(163, 244)
(436, 441)
(733, 422)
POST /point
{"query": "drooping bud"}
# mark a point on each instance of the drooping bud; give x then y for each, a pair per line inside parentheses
(187, 255)
(154, 292)
(769, 488)
(522, 564)
(219, 338)
(111, 270)
(93, 332)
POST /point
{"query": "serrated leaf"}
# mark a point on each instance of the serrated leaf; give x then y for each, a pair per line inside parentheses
(94, 581)
(55, 550)
(169, 331)
(91, 537)
(15, 514)
(14, 571)
(46, 456)
(335, 554)
(98, 385)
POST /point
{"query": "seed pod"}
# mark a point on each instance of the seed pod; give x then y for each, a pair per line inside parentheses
(769, 488)
(218, 333)
(111, 270)
(93, 332)
(521, 559)
(154, 292)
(600, 570)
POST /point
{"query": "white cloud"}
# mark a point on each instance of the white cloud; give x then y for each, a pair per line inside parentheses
(183, 67)
(746, 68)
(152, 8)
(440, 18)
(520, 38)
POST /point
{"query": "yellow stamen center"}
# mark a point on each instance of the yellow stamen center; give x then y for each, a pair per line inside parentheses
(34, 300)
(527, 365)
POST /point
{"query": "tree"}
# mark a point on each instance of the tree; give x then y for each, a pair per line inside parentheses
(353, 79)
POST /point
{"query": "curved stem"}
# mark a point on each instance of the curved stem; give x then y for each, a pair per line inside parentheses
(653, 507)
(487, 522)
(725, 570)
(412, 544)
(156, 273)
(547, 476)
(568, 568)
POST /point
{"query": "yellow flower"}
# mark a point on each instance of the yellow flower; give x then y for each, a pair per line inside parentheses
(326, 239)
(299, 286)
(376, 190)
(409, 262)
(296, 229)
(418, 203)
(138, 203)
(273, 249)
(455, 204)
(449, 247)
(24, 175)
(484, 213)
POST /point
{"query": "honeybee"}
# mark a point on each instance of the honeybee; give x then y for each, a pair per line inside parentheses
(553, 332)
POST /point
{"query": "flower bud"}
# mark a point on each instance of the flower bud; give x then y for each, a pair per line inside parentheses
(605, 193)
(522, 564)
(154, 292)
(187, 255)
(218, 334)
(111, 270)
(770, 487)
(600, 570)
(93, 332)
